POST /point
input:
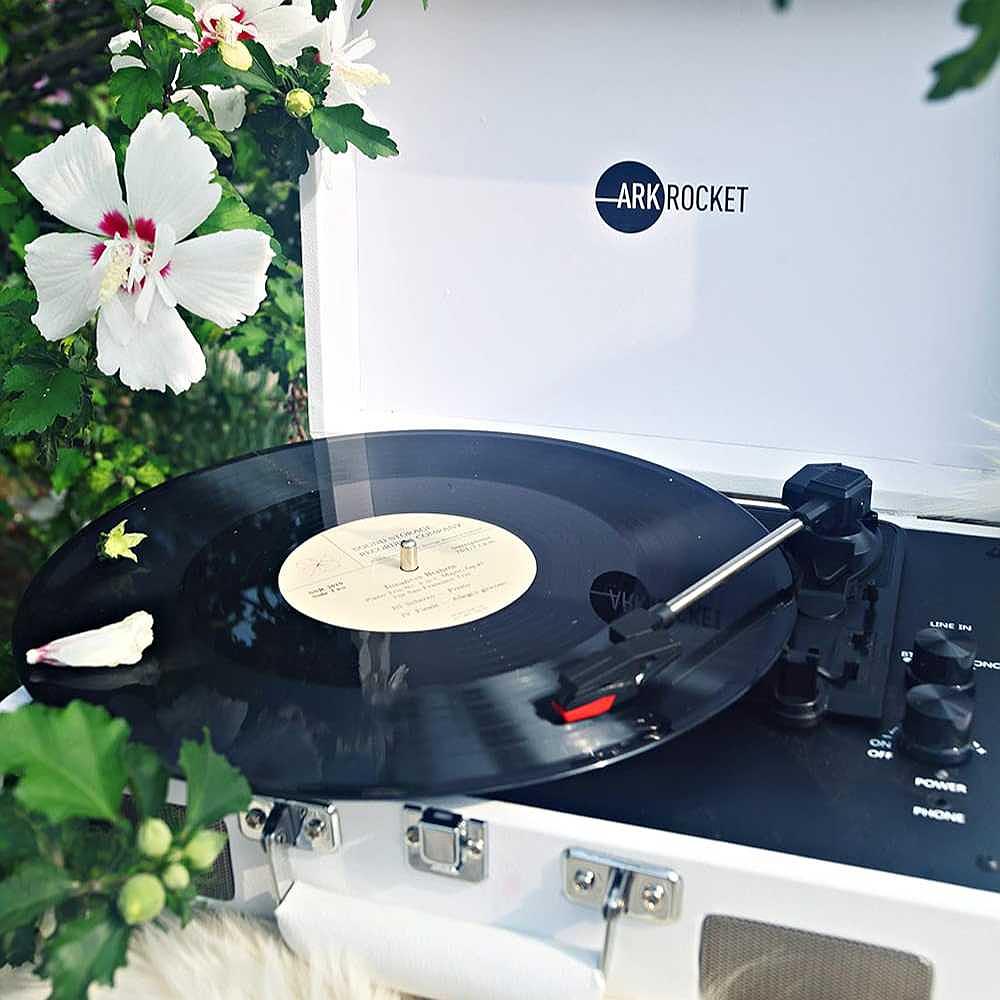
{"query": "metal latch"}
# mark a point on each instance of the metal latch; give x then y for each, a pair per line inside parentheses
(445, 843)
(284, 826)
(618, 888)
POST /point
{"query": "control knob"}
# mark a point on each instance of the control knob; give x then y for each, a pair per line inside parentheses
(939, 658)
(937, 726)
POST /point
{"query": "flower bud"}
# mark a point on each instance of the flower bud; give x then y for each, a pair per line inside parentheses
(154, 838)
(299, 103)
(203, 848)
(142, 898)
(176, 877)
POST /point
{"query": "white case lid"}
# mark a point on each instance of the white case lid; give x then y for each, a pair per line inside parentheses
(850, 313)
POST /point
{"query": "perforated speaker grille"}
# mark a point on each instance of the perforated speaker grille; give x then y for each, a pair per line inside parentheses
(217, 882)
(748, 960)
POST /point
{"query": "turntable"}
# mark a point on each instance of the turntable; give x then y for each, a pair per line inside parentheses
(629, 626)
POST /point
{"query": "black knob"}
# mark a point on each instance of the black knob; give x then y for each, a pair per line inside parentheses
(937, 726)
(939, 658)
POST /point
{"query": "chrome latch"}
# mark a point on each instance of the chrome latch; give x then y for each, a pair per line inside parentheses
(445, 843)
(285, 826)
(620, 888)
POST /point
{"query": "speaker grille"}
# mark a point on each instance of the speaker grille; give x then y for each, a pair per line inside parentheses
(217, 882)
(748, 960)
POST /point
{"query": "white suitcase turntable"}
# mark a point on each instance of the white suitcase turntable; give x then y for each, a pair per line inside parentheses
(502, 749)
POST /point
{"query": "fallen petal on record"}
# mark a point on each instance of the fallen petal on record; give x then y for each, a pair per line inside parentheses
(113, 645)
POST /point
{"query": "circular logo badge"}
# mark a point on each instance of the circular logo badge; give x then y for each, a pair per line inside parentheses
(629, 197)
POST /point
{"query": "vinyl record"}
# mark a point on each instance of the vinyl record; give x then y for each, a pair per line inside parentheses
(553, 541)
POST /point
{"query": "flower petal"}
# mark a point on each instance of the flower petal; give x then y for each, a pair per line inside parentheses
(152, 355)
(229, 106)
(168, 174)
(110, 646)
(162, 249)
(221, 276)
(62, 269)
(75, 178)
(285, 32)
(117, 45)
(172, 20)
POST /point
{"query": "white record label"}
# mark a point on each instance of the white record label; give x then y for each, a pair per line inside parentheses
(350, 575)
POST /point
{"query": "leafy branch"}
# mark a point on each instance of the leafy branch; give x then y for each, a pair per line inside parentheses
(78, 875)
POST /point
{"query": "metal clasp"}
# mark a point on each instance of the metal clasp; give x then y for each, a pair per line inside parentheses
(281, 827)
(445, 843)
(620, 888)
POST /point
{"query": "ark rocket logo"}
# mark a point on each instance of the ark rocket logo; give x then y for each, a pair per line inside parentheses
(630, 197)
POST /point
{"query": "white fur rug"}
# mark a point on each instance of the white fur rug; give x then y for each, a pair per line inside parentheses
(218, 956)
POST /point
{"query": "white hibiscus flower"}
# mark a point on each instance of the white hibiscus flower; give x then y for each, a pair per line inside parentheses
(284, 30)
(350, 79)
(129, 265)
(228, 104)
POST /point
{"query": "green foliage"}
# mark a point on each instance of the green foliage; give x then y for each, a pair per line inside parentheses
(69, 855)
(336, 127)
(136, 90)
(37, 395)
(69, 761)
(215, 788)
(971, 66)
(87, 950)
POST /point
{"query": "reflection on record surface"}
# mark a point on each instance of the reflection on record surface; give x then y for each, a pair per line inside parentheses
(309, 708)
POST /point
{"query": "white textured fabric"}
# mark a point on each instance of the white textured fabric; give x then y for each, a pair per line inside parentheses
(75, 178)
(168, 173)
(218, 956)
(433, 956)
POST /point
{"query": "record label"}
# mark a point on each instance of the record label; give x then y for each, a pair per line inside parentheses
(353, 575)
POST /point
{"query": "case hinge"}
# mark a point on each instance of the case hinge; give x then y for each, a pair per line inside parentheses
(282, 827)
(620, 888)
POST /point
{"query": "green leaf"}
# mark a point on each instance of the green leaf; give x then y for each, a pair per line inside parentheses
(6, 198)
(87, 950)
(102, 476)
(43, 393)
(970, 66)
(261, 76)
(181, 7)
(137, 90)
(232, 212)
(70, 761)
(162, 49)
(214, 787)
(204, 68)
(336, 127)
(17, 839)
(70, 463)
(203, 129)
(30, 891)
(17, 947)
(24, 231)
(149, 474)
(147, 779)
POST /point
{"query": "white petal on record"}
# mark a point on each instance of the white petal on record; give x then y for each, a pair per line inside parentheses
(157, 354)
(221, 277)
(61, 267)
(168, 174)
(75, 178)
(285, 32)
